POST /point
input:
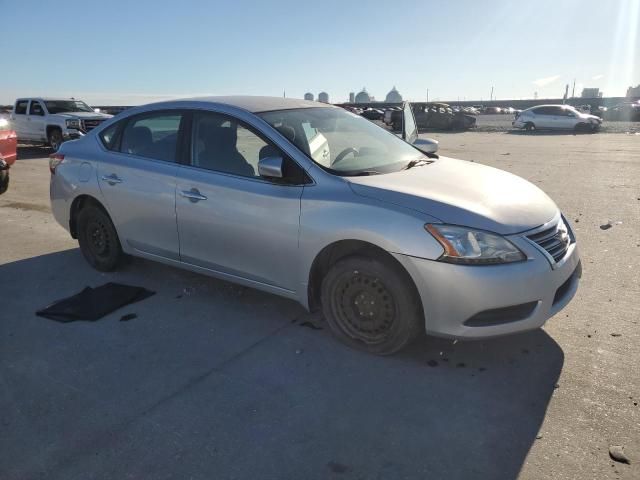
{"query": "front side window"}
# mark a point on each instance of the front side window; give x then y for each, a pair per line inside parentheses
(36, 108)
(220, 143)
(153, 135)
(345, 144)
(21, 107)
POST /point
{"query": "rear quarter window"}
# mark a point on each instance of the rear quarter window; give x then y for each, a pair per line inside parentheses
(109, 135)
(21, 107)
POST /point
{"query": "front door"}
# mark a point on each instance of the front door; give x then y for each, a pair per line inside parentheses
(230, 219)
(35, 121)
(138, 181)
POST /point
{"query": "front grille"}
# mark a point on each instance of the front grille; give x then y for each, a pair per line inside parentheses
(88, 125)
(554, 240)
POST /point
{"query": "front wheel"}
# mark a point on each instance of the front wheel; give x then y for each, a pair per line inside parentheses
(55, 139)
(371, 305)
(98, 239)
(529, 127)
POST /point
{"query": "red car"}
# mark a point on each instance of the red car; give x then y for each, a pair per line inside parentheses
(8, 153)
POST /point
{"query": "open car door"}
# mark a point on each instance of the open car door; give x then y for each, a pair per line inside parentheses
(409, 128)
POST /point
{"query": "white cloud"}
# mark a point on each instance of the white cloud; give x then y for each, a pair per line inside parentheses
(543, 82)
(597, 77)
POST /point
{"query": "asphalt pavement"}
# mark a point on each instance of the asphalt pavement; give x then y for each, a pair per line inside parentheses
(212, 380)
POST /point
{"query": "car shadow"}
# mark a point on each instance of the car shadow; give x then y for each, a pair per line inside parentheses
(208, 370)
(547, 133)
(30, 152)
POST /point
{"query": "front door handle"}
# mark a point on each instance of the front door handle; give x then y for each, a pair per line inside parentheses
(193, 195)
(111, 179)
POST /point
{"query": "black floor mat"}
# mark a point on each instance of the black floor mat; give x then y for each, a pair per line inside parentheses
(94, 303)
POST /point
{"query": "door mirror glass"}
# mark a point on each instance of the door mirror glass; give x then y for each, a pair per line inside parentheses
(270, 167)
(426, 145)
(409, 129)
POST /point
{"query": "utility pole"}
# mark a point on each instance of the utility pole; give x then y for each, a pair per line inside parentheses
(427, 95)
(573, 92)
(491, 96)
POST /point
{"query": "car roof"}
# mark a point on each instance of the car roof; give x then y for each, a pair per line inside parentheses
(255, 104)
(45, 99)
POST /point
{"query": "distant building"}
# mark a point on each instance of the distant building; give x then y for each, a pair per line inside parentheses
(323, 97)
(633, 91)
(591, 93)
(308, 96)
(363, 97)
(393, 96)
(352, 97)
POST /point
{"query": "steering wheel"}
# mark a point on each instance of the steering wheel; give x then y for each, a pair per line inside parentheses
(344, 153)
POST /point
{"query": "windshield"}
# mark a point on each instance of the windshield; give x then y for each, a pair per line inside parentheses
(341, 141)
(61, 106)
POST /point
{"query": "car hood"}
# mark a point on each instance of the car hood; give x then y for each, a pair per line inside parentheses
(85, 115)
(463, 193)
(588, 116)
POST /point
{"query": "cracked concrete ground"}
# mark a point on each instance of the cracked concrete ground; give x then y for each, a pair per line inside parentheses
(212, 380)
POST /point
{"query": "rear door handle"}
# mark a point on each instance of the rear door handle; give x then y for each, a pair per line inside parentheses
(111, 179)
(193, 195)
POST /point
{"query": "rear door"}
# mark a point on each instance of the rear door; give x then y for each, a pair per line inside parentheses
(230, 219)
(19, 119)
(137, 177)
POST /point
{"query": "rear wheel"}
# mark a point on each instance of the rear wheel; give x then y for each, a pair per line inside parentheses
(55, 139)
(371, 305)
(98, 239)
(529, 127)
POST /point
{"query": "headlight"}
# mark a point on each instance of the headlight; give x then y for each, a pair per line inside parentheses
(474, 247)
(73, 123)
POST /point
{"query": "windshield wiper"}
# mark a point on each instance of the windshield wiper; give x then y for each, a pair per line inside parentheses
(417, 162)
(363, 173)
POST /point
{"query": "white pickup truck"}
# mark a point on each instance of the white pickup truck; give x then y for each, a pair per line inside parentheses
(51, 121)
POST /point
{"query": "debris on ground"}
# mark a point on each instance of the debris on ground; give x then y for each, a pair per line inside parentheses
(189, 290)
(94, 303)
(606, 226)
(311, 325)
(128, 316)
(616, 452)
(539, 436)
(505, 153)
(432, 363)
(616, 334)
(299, 351)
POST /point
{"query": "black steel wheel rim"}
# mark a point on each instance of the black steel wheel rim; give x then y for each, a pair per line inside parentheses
(365, 309)
(98, 238)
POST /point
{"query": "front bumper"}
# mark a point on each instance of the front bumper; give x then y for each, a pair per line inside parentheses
(453, 296)
(71, 134)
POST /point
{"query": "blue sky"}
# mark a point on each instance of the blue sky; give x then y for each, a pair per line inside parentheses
(136, 51)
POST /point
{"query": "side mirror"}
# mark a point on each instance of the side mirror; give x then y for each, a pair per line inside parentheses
(426, 145)
(270, 167)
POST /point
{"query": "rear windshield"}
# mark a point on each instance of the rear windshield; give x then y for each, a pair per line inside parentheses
(62, 106)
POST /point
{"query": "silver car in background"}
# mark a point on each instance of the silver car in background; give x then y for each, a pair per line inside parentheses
(314, 203)
(556, 117)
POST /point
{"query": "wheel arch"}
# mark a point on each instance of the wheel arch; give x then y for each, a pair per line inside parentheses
(52, 127)
(78, 204)
(340, 249)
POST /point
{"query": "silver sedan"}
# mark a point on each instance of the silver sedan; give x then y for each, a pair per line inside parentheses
(314, 203)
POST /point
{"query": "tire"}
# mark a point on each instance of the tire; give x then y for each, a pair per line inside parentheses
(98, 239)
(529, 127)
(4, 181)
(371, 305)
(55, 139)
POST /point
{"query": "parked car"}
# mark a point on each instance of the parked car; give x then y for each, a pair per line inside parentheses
(51, 121)
(373, 114)
(492, 110)
(437, 116)
(626, 112)
(8, 153)
(556, 117)
(314, 203)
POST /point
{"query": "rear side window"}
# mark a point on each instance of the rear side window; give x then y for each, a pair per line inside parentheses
(152, 135)
(108, 136)
(21, 107)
